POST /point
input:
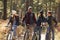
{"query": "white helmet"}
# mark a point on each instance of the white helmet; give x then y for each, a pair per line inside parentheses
(14, 12)
(29, 7)
(49, 11)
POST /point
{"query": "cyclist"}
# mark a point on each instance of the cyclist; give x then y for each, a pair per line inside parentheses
(51, 22)
(38, 26)
(29, 19)
(14, 20)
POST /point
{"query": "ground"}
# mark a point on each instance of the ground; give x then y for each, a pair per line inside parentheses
(4, 31)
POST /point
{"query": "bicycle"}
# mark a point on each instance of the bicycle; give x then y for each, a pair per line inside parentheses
(50, 32)
(11, 34)
(37, 34)
(26, 35)
(37, 31)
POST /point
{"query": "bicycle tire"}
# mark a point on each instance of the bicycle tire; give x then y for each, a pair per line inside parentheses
(49, 36)
(34, 37)
(26, 36)
(9, 36)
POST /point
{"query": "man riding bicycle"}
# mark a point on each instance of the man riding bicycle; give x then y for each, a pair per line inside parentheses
(38, 27)
(29, 19)
(51, 22)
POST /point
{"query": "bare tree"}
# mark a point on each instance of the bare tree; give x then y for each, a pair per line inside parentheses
(58, 12)
(5, 9)
(28, 3)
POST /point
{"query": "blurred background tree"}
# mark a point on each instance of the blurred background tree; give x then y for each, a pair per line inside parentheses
(58, 10)
(5, 9)
(7, 5)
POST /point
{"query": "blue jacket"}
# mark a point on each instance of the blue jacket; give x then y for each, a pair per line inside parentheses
(41, 19)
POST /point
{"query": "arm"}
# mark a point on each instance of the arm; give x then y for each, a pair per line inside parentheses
(54, 19)
(24, 18)
(9, 20)
(34, 18)
(38, 22)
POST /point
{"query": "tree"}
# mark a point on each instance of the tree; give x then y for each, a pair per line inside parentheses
(58, 12)
(0, 0)
(10, 5)
(5, 9)
(28, 3)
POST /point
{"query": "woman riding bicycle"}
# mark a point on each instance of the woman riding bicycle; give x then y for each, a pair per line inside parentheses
(14, 20)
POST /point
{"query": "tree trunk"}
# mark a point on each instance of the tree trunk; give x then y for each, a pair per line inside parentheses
(5, 10)
(10, 6)
(58, 13)
(31, 2)
(28, 3)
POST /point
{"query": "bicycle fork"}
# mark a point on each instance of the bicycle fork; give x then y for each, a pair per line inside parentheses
(10, 36)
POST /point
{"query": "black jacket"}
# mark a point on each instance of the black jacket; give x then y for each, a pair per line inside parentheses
(11, 20)
(50, 20)
(29, 18)
(41, 19)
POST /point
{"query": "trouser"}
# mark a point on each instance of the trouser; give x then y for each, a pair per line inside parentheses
(14, 27)
(36, 29)
(48, 33)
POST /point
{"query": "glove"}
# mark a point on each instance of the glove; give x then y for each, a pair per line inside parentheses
(23, 24)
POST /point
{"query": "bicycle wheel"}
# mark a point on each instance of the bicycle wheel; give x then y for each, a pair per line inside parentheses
(35, 37)
(48, 36)
(10, 36)
(26, 36)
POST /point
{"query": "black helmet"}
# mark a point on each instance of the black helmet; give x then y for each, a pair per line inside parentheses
(50, 12)
(41, 11)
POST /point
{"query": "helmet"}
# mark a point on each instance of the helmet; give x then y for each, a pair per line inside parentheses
(49, 11)
(14, 12)
(41, 11)
(29, 7)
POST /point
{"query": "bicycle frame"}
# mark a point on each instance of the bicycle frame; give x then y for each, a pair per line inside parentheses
(26, 35)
